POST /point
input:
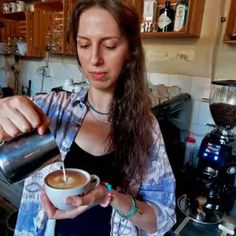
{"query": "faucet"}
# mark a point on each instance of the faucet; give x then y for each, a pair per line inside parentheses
(44, 70)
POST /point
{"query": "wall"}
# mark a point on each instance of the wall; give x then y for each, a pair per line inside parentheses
(194, 63)
(60, 68)
(189, 63)
(195, 56)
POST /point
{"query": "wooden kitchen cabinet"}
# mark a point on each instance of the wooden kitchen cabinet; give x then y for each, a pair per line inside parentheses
(230, 33)
(10, 29)
(16, 25)
(38, 27)
(48, 25)
(69, 47)
(45, 28)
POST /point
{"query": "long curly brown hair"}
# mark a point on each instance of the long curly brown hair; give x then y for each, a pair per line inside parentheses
(131, 119)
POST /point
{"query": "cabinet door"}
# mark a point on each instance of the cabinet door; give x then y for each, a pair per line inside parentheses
(42, 28)
(48, 27)
(9, 30)
(230, 33)
(69, 47)
(48, 31)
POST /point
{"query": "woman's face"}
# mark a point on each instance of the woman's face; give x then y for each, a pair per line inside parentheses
(101, 47)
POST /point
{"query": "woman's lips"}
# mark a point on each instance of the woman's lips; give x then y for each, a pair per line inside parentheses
(98, 75)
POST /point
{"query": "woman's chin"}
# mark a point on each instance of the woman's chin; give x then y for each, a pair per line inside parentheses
(102, 85)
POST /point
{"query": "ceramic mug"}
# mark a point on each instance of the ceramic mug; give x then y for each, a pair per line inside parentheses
(22, 48)
(20, 5)
(13, 6)
(78, 183)
(6, 8)
(68, 85)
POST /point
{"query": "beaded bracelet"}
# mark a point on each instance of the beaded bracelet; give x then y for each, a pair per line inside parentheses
(108, 199)
(133, 210)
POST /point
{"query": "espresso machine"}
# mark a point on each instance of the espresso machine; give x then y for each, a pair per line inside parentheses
(212, 187)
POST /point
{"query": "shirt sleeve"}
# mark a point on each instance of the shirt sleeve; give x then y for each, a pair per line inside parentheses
(158, 185)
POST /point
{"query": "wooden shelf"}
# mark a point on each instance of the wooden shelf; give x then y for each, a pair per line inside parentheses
(168, 35)
(39, 27)
(55, 5)
(14, 16)
(230, 42)
(194, 22)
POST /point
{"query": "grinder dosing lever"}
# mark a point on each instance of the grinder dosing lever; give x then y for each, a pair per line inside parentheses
(201, 215)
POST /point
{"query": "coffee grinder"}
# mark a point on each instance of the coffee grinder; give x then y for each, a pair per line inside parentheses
(217, 153)
(212, 191)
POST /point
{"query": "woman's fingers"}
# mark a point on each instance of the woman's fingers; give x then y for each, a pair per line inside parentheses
(80, 201)
(27, 112)
(92, 198)
(44, 120)
(3, 135)
(54, 213)
(19, 114)
(8, 130)
(47, 205)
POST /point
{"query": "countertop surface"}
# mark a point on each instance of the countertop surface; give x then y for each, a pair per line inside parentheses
(196, 229)
(187, 227)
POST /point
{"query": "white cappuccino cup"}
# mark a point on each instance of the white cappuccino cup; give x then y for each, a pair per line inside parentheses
(78, 183)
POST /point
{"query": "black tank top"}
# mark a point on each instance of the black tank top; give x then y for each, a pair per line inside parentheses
(95, 221)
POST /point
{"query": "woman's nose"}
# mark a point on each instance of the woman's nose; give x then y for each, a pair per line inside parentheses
(96, 56)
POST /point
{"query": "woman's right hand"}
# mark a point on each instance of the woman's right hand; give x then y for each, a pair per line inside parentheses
(18, 114)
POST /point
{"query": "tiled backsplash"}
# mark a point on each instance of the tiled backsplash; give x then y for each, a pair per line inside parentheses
(58, 71)
(199, 89)
(67, 68)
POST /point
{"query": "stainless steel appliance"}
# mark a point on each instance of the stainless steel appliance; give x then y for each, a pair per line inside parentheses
(174, 117)
(211, 190)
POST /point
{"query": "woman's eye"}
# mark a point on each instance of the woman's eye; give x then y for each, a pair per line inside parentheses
(109, 47)
(84, 46)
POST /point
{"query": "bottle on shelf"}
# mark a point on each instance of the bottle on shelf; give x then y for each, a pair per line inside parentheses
(181, 15)
(21, 45)
(166, 18)
(149, 15)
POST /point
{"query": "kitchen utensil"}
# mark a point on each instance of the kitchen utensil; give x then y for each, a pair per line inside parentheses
(27, 153)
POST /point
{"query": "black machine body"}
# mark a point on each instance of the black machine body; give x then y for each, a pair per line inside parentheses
(216, 169)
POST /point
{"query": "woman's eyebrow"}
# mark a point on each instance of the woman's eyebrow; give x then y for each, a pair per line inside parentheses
(104, 38)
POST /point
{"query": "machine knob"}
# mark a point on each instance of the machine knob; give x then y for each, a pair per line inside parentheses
(210, 171)
(231, 170)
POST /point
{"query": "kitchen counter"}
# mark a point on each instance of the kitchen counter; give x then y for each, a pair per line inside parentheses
(187, 227)
(11, 192)
(196, 229)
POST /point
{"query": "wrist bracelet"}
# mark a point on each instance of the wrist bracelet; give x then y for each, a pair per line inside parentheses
(133, 210)
(108, 199)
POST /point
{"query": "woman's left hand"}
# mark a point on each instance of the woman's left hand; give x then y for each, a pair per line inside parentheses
(79, 204)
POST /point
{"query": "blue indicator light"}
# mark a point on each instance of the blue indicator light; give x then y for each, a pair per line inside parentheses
(205, 154)
(216, 158)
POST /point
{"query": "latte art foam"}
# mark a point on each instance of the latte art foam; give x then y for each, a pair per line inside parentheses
(73, 179)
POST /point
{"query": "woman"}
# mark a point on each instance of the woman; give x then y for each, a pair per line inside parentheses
(107, 129)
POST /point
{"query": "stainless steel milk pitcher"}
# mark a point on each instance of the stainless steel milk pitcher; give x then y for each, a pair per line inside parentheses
(27, 153)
